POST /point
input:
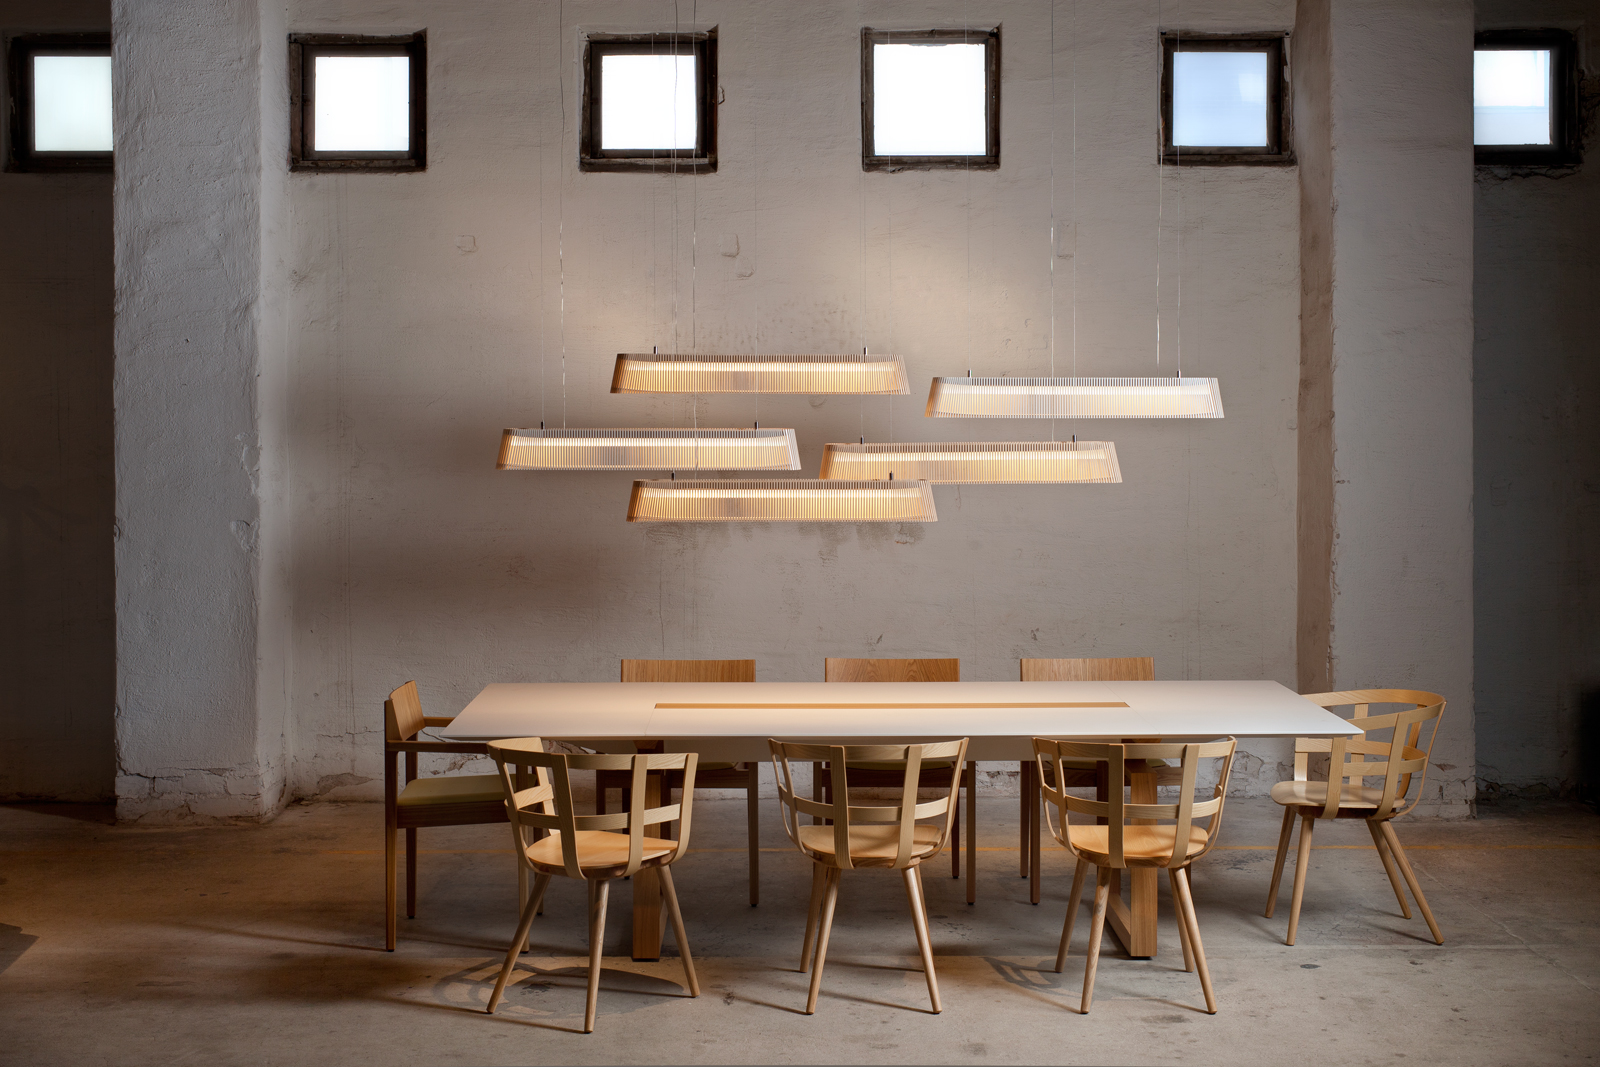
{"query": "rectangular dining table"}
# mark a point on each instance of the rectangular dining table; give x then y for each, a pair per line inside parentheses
(732, 722)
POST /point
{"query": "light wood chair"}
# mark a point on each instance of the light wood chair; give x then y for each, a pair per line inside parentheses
(593, 848)
(882, 835)
(412, 802)
(1080, 773)
(712, 775)
(911, 670)
(1129, 838)
(1402, 761)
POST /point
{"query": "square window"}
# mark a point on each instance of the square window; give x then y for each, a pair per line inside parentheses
(61, 113)
(930, 98)
(649, 102)
(357, 103)
(1522, 98)
(1224, 99)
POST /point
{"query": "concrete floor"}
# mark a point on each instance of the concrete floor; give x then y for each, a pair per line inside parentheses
(263, 945)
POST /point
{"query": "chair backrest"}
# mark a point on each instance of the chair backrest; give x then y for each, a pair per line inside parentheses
(688, 670)
(891, 670)
(402, 713)
(1116, 811)
(546, 804)
(844, 814)
(1403, 755)
(1114, 669)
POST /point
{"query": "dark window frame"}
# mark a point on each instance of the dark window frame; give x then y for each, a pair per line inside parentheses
(303, 49)
(1566, 147)
(20, 50)
(990, 160)
(1279, 149)
(702, 158)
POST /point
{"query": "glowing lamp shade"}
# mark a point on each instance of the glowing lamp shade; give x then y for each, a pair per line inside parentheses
(1075, 398)
(810, 374)
(649, 449)
(781, 500)
(976, 462)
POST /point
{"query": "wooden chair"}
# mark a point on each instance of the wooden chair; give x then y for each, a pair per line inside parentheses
(450, 800)
(882, 835)
(712, 775)
(589, 847)
(1128, 838)
(910, 670)
(1398, 759)
(1080, 773)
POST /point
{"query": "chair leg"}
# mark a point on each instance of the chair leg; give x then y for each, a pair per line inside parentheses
(599, 894)
(972, 832)
(518, 940)
(389, 901)
(1183, 927)
(1180, 878)
(1301, 862)
(752, 819)
(411, 874)
(1389, 868)
(1072, 913)
(919, 917)
(830, 897)
(1277, 866)
(670, 893)
(813, 909)
(522, 896)
(1097, 928)
(1411, 880)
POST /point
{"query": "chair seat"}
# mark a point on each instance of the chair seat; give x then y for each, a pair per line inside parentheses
(871, 846)
(597, 850)
(453, 789)
(1142, 846)
(1357, 800)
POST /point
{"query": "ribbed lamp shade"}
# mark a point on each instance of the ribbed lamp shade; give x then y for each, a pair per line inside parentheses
(649, 449)
(813, 374)
(976, 462)
(1075, 398)
(781, 500)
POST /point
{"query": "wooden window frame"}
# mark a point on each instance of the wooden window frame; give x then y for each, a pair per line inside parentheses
(990, 160)
(702, 158)
(20, 50)
(1279, 149)
(1565, 149)
(303, 49)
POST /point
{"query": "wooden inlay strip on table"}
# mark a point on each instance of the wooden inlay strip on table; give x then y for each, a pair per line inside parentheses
(923, 704)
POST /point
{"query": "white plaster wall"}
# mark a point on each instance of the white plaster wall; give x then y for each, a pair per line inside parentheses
(413, 558)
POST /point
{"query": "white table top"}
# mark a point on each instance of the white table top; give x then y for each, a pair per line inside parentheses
(732, 720)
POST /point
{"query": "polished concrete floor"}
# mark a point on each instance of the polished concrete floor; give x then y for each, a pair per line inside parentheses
(264, 945)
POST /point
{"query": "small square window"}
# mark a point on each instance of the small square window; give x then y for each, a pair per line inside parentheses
(1224, 98)
(1523, 98)
(357, 103)
(60, 102)
(649, 102)
(930, 98)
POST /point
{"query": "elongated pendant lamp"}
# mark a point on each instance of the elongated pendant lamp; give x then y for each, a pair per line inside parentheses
(1075, 398)
(781, 500)
(649, 449)
(976, 462)
(812, 374)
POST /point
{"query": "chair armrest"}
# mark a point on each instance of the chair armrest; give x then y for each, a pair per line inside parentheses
(458, 747)
(435, 720)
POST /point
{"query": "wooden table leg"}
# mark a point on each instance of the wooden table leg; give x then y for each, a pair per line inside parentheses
(647, 910)
(1025, 790)
(972, 833)
(1135, 923)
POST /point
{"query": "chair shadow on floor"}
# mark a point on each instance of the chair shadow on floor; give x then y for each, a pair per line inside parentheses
(1041, 982)
(537, 996)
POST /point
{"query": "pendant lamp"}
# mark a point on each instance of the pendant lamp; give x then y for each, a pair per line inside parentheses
(781, 500)
(812, 374)
(976, 462)
(1075, 398)
(648, 449)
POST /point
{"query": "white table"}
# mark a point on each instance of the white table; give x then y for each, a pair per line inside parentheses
(732, 721)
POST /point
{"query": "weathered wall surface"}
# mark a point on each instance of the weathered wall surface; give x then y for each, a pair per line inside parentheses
(56, 644)
(1537, 365)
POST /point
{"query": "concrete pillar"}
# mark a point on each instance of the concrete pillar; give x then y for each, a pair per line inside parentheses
(200, 689)
(1384, 126)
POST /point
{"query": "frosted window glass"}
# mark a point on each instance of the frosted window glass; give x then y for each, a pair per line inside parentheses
(72, 103)
(1511, 96)
(929, 100)
(1219, 99)
(647, 102)
(363, 104)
